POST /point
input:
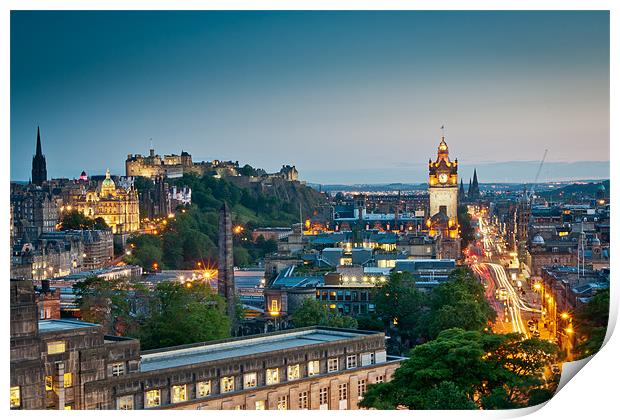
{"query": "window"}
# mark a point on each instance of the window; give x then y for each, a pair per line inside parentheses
(273, 376)
(68, 380)
(55, 347)
(259, 405)
(227, 384)
(342, 392)
(203, 389)
(125, 402)
(274, 305)
(152, 398)
(118, 369)
(293, 372)
(303, 400)
(16, 399)
(324, 398)
(313, 368)
(332, 365)
(283, 402)
(49, 383)
(240, 407)
(249, 380)
(379, 379)
(351, 361)
(179, 393)
(68, 407)
(361, 388)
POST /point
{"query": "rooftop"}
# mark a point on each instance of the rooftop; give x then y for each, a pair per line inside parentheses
(51, 325)
(231, 349)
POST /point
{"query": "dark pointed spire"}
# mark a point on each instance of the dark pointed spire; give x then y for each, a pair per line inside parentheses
(475, 193)
(462, 196)
(39, 170)
(39, 151)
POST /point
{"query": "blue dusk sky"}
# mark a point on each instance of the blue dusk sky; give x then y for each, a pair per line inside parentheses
(347, 97)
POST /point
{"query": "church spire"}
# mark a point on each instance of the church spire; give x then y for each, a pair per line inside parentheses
(39, 169)
(39, 152)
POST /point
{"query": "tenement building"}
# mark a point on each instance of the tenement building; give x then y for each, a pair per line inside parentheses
(62, 364)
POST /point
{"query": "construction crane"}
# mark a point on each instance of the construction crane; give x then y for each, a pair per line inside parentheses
(529, 195)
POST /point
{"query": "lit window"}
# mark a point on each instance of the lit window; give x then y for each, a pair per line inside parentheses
(283, 402)
(274, 305)
(125, 402)
(68, 380)
(152, 398)
(118, 369)
(361, 388)
(351, 362)
(332, 365)
(342, 392)
(313, 368)
(273, 376)
(55, 347)
(293, 372)
(179, 393)
(68, 407)
(259, 405)
(203, 389)
(249, 380)
(303, 400)
(16, 399)
(227, 384)
(324, 397)
(49, 383)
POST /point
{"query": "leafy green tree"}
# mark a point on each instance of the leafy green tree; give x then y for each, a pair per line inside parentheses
(312, 312)
(181, 315)
(75, 220)
(108, 303)
(458, 303)
(400, 305)
(591, 322)
(466, 370)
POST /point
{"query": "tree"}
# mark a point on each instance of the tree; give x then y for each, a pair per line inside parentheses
(591, 322)
(466, 370)
(75, 220)
(400, 304)
(108, 303)
(312, 312)
(458, 303)
(179, 314)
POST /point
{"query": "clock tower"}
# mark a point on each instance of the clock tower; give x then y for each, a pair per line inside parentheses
(443, 192)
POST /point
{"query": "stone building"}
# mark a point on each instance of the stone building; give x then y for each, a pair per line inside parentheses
(61, 364)
(118, 206)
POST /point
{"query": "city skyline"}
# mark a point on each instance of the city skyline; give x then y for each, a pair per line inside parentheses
(327, 98)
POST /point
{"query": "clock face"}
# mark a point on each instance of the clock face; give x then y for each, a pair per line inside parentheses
(443, 178)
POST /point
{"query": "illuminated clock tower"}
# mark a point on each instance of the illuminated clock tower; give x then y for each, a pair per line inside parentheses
(443, 187)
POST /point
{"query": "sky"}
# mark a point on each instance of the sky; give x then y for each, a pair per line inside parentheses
(347, 97)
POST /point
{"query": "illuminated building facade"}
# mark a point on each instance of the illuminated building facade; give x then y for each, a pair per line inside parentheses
(443, 185)
(118, 206)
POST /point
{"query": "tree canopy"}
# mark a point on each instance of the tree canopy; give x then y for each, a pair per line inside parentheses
(591, 322)
(312, 312)
(467, 370)
(173, 314)
(75, 220)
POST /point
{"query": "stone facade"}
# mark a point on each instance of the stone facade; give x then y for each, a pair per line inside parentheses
(61, 364)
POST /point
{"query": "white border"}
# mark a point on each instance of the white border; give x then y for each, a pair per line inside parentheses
(592, 395)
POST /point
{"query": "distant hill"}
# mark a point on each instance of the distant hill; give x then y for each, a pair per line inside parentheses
(575, 191)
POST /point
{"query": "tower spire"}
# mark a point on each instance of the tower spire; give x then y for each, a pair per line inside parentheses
(39, 152)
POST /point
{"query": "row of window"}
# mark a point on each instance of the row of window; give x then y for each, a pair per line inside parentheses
(343, 295)
(179, 394)
(67, 381)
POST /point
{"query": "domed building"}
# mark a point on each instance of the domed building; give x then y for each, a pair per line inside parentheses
(118, 206)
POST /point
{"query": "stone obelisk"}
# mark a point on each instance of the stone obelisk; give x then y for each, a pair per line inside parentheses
(226, 274)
